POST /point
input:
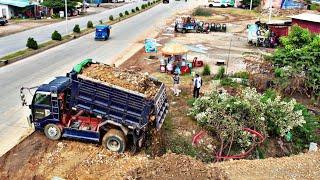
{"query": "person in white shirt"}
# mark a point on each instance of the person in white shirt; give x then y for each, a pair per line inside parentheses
(197, 83)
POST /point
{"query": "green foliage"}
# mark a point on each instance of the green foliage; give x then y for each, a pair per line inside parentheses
(89, 24)
(143, 6)
(227, 115)
(120, 15)
(241, 74)
(56, 36)
(228, 82)
(220, 73)
(111, 18)
(314, 7)
(302, 135)
(100, 21)
(190, 102)
(300, 54)
(55, 16)
(149, 3)
(206, 70)
(76, 28)
(133, 11)
(181, 145)
(126, 13)
(255, 3)
(137, 8)
(202, 12)
(32, 44)
(59, 4)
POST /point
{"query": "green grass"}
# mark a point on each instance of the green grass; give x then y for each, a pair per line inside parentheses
(202, 12)
(15, 54)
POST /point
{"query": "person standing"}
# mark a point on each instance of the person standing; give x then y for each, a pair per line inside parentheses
(176, 82)
(197, 83)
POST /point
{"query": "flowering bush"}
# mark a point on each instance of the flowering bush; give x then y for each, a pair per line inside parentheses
(226, 116)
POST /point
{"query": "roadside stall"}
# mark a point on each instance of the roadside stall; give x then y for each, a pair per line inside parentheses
(175, 59)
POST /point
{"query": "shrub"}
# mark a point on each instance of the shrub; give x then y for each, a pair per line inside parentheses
(226, 116)
(32, 44)
(137, 9)
(133, 11)
(56, 36)
(202, 12)
(100, 21)
(89, 24)
(206, 70)
(241, 74)
(220, 73)
(111, 18)
(76, 28)
(149, 3)
(143, 6)
(126, 13)
(120, 15)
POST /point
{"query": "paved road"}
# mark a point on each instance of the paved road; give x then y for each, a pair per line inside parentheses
(15, 42)
(59, 60)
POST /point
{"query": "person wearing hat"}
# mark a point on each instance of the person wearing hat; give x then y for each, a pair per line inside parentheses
(176, 82)
(197, 83)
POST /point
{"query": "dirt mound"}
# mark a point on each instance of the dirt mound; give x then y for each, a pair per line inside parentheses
(303, 166)
(173, 166)
(128, 78)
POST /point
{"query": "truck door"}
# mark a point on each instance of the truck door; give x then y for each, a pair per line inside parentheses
(41, 106)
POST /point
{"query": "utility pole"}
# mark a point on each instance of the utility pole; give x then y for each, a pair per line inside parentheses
(66, 13)
(270, 9)
(228, 56)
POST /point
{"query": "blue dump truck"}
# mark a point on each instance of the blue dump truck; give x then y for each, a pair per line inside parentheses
(80, 107)
(102, 32)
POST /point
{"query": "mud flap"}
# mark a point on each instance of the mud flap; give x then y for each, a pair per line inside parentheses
(29, 119)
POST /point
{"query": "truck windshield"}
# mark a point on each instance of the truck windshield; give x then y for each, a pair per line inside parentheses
(42, 99)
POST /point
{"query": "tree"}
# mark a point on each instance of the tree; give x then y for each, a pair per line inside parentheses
(58, 5)
(300, 52)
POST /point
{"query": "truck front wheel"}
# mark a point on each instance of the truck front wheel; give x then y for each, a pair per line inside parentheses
(114, 140)
(52, 131)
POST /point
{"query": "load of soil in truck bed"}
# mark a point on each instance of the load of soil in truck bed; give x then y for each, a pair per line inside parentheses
(127, 78)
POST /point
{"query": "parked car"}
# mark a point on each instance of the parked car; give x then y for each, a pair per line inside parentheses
(3, 21)
(218, 3)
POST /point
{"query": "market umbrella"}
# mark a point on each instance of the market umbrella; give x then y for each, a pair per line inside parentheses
(174, 49)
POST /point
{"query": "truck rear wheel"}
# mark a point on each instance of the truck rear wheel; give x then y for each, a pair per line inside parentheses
(52, 131)
(114, 140)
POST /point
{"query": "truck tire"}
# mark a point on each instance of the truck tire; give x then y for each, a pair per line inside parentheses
(114, 140)
(52, 131)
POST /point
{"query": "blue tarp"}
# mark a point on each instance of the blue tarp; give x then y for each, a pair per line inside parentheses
(150, 45)
(252, 32)
(291, 4)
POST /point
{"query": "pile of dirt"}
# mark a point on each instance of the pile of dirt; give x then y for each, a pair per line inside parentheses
(174, 166)
(303, 166)
(128, 78)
